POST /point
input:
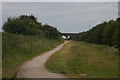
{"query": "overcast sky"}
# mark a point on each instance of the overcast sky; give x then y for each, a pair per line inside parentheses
(66, 16)
(59, 0)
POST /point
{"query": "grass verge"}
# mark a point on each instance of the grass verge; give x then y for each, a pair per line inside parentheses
(18, 48)
(78, 58)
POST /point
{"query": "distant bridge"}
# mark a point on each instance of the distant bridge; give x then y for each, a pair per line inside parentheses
(68, 35)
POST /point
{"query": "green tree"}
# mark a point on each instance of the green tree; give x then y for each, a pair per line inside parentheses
(28, 25)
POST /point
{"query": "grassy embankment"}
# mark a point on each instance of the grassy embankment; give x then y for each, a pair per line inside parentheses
(96, 61)
(19, 48)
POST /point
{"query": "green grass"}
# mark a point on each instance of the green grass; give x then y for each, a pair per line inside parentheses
(97, 61)
(19, 48)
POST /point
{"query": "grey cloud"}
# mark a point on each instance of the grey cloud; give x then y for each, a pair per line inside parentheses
(66, 16)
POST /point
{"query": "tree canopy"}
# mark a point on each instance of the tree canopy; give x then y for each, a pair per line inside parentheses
(105, 33)
(28, 25)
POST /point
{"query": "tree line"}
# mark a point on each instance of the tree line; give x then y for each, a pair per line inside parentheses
(28, 25)
(107, 33)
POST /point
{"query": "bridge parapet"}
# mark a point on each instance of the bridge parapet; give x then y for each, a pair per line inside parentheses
(68, 35)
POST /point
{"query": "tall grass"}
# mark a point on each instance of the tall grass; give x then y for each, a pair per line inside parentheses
(19, 48)
(76, 58)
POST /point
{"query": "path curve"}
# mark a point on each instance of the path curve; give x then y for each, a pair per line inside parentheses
(35, 67)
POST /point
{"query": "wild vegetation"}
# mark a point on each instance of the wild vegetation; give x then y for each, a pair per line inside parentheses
(92, 60)
(23, 39)
(28, 25)
(96, 57)
(105, 33)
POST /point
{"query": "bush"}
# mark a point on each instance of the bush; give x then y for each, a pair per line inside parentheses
(28, 25)
(105, 33)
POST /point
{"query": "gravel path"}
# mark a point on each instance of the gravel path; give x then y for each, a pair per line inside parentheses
(35, 67)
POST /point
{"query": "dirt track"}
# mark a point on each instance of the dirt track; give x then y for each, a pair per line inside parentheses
(35, 67)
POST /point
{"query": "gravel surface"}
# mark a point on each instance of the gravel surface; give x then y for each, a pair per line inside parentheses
(35, 68)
